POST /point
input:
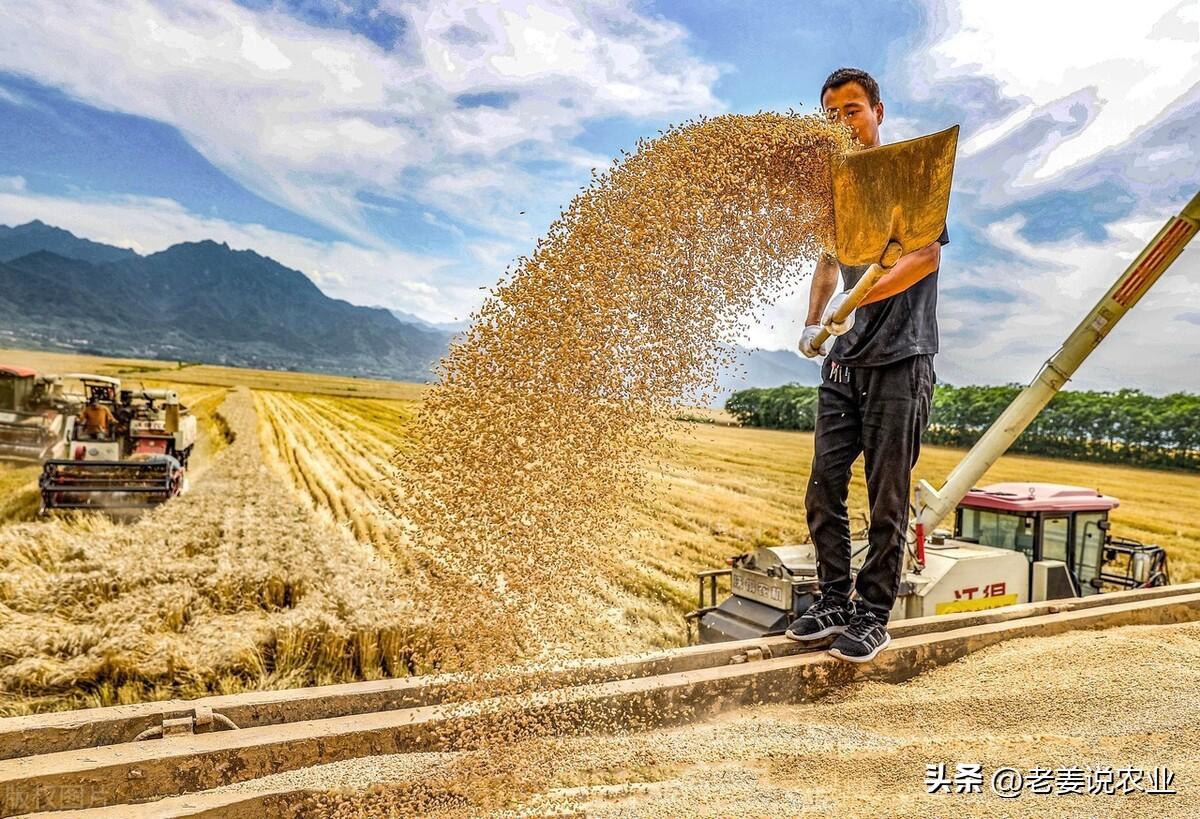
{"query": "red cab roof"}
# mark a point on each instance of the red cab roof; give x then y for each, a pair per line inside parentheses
(19, 372)
(1038, 497)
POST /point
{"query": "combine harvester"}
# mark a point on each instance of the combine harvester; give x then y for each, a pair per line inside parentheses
(36, 416)
(1011, 543)
(139, 462)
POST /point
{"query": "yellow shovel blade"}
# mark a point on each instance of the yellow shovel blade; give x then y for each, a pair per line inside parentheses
(894, 193)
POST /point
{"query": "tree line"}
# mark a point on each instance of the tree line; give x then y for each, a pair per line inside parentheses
(1123, 426)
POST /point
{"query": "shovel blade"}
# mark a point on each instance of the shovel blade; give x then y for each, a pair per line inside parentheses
(897, 193)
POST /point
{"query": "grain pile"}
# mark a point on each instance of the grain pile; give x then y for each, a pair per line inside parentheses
(532, 448)
(245, 588)
(1119, 698)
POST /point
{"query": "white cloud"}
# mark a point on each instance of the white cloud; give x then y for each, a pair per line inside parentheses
(1036, 301)
(1058, 283)
(388, 277)
(590, 57)
(308, 117)
(12, 97)
(261, 52)
(1132, 59)
(897, 129)
(12, 183)
(1060, 97)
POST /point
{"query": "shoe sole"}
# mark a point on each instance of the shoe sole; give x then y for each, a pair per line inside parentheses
(866, 658)
(820, 635)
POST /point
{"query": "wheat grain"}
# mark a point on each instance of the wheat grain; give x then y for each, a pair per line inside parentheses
(531, 449)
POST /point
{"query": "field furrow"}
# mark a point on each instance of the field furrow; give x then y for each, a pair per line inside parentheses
(336, 451)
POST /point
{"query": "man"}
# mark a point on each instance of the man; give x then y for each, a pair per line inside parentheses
(876, 387)
(96, 419)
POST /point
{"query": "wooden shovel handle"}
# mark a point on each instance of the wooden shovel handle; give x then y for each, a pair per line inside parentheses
(857, 294)
(891, 255)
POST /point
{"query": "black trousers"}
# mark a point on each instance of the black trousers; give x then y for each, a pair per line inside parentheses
(880, 412)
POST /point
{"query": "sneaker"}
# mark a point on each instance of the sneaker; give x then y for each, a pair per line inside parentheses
(865, 637)
(828, 615)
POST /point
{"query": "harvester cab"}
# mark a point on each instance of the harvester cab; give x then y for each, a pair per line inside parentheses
(35, 415)
(128, 450)
(1011, 543)
(1068, 525)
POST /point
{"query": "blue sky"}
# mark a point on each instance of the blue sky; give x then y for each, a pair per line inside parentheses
(404, 153)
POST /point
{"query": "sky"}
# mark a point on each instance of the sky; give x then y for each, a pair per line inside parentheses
(405, 153)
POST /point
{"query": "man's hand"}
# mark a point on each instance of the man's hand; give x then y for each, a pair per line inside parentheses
(806, 340)
(837, 328)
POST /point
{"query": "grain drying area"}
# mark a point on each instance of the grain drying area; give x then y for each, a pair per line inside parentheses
(468, 599)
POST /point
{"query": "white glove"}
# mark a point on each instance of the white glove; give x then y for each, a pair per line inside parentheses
(806, 340)
(842, 327)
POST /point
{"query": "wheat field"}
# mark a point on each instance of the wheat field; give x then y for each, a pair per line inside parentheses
(233, 585)
(335, 451)
(726, 490)
(280, 567)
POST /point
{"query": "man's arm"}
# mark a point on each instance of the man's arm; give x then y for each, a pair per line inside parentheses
(824, 282)
(910, 269)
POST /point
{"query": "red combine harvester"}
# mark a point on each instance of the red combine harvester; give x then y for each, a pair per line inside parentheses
(1067, 524)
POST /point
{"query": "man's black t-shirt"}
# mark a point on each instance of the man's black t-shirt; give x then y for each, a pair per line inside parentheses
(892, 329)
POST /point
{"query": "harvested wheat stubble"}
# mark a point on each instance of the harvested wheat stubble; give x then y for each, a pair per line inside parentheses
(531, 450)
(232, 585)
(335, 451)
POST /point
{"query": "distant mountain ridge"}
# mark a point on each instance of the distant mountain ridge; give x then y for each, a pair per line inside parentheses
(445, 326)
(767, 368)
(31, 237)
(203, 301)
(197, 301)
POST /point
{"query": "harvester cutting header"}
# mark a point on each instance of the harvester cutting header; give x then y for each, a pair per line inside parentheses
(128, 449)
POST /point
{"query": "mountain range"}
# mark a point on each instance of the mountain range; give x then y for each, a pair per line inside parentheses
(203, 301)
(196, 301)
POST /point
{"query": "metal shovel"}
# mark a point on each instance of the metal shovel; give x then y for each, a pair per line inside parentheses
(888, 201)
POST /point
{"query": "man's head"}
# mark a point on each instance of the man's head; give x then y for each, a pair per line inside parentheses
(851, 96)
